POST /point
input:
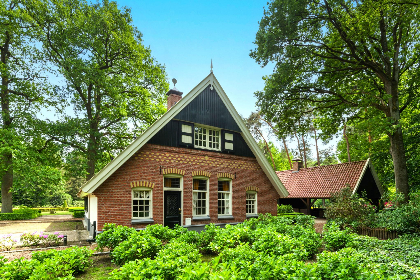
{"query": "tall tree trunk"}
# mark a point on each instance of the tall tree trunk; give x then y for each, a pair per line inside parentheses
(91, 156)
(268, 149)
(304, 150)
(316, 148)
(397, 143)
(304, 147)
(7, 157)
(7, 183)
(282, 138)
(297, 138)
(347, 142)
(287, 152)
(400, 162)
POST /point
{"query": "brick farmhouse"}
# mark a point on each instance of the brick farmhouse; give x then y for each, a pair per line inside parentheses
(197, 164)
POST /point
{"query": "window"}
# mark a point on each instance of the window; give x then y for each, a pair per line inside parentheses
(173, 183)
(224, 197)
(200, 197)
(142, 203)
(206, 138)
(251, 203)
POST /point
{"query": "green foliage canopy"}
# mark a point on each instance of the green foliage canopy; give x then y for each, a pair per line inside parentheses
(342, 60)
(111, 79)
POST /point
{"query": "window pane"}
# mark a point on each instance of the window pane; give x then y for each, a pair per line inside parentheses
(200, 185)
(172, 182)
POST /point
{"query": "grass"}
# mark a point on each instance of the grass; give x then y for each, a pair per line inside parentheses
(56, 213)
(100, 268)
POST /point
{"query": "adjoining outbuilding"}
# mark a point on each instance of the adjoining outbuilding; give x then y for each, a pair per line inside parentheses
(306, 185)
(197, 164)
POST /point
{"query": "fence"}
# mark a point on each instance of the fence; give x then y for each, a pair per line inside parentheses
(380, 233)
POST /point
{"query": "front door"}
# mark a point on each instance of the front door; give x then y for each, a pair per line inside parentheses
(172, 211)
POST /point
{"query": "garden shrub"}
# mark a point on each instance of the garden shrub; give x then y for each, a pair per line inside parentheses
(177, 249)
(164, 233)
(139, 245)
(344, 264)
(191, 237)
(336, 239)
(23, 213)
(113, 235)
(168, 264)
(274, 243)
(230, 237)
(281, 209)
(75, 259)
(304, 220)
(50, 264)
(348, 209)
(207, 236)
(402, 219)
(78, 213)
(36, 239)
(17, 269)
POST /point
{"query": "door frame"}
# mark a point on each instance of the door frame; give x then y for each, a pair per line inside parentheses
(181, 189)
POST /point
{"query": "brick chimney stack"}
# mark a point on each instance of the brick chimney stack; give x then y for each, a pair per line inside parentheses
(174, 95)
(297, 164)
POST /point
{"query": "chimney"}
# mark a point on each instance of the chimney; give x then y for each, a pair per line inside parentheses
(174, 95)
(297, 164)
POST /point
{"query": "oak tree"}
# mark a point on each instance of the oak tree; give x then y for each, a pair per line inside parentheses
(340, 58)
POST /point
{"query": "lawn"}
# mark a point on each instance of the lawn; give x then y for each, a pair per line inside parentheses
(57, 213)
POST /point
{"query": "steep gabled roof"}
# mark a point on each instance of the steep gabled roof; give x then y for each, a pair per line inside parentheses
(113, 166)
(322, 181)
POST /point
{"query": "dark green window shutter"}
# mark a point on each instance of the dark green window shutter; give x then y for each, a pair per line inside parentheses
(186, 133)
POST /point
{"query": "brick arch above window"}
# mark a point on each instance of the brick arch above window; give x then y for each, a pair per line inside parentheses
(252, 188)
(145, 184)
(226, 175)
(173, 171)
(201, 173)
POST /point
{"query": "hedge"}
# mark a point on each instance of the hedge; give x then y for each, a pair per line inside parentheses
(20, 214)
(79, 213)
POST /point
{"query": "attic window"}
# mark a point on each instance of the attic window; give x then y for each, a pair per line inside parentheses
(206, 138)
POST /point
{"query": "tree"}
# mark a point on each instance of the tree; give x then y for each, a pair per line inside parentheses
(280, 157)
(112, 82)
(23, 90)
(341, 59)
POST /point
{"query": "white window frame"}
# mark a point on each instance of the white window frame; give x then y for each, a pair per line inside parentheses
(255, 203)
(207, 137)
(225, 192)
(171, 176)
(150, 203)
(198, 191)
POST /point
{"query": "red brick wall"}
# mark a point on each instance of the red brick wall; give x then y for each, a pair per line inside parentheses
(114, 195)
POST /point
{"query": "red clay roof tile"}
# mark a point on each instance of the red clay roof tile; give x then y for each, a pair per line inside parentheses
(321, 181)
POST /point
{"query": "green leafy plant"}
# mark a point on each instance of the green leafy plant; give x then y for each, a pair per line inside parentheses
(113, 235)
(335, 238)
(281, 209)
(139, 245)
(348, 209)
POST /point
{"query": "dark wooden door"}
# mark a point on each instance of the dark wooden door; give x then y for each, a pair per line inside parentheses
(172, 211)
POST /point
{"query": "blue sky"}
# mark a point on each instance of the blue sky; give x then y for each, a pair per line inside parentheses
(186, 35)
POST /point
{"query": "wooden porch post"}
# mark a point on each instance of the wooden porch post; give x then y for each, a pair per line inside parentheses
(308, 206)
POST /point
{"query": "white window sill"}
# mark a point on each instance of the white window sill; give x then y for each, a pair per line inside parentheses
(142, 221)
(200, 218)
(225, 217)
(251, 216)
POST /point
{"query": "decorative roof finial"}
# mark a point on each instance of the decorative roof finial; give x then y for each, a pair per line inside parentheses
(174, 81)
(211, 66)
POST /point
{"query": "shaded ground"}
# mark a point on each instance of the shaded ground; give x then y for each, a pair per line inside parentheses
(319, 224)
(100, 268)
